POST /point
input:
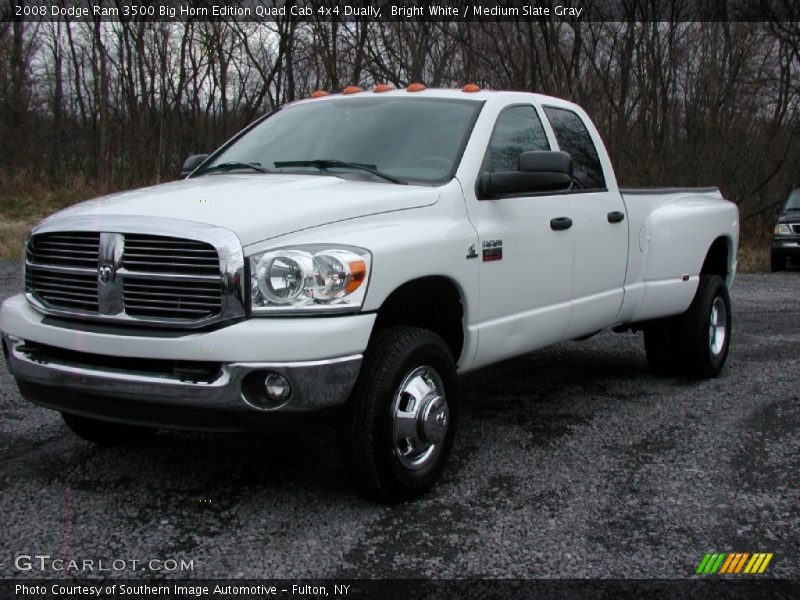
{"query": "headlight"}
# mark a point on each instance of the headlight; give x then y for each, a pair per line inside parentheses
(309, 279)
(782, 229)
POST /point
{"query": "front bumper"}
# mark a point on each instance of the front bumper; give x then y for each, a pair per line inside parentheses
(232, 400)
(788, 245)
(130, 378)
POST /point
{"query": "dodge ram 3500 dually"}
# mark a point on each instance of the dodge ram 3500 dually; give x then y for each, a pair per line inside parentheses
(346, 256)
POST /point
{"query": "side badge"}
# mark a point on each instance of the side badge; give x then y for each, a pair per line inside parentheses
(492, 250)
(471, 252)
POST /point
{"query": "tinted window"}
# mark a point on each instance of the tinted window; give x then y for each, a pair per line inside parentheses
(517, 130)
(419, 139)
(573, 137)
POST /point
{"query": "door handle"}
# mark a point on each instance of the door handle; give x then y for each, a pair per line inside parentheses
(616, 217)
(560, 223)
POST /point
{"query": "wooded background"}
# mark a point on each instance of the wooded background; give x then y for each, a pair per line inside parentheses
(119, 104)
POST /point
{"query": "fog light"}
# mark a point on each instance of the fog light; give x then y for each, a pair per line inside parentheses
(277, 387)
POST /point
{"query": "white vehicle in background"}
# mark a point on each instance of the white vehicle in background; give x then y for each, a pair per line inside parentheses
(347, 256)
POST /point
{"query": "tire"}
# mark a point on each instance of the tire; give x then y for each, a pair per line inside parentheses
(706, 329)
(407, 385)
(662, 345)
(104, 433)
(688, 344)
(777, 262)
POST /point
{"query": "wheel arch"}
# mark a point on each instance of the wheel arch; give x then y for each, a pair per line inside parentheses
(719, 259)
(433, 302)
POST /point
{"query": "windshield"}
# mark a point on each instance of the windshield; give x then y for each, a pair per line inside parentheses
(409, 139)
(793, 201)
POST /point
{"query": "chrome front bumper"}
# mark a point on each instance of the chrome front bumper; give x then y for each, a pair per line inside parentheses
(316, 385)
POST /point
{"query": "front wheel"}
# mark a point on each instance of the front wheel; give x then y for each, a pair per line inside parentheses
(402, 415)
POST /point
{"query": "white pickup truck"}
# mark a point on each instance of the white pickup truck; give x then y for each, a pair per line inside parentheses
(345, 257)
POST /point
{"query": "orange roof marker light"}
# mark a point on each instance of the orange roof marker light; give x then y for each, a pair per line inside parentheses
(382, 87)
(351, 89)
(319, 94)
(416, 87)
(471, 88)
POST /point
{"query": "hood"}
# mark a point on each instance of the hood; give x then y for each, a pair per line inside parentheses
(256, 207)
(790, 216)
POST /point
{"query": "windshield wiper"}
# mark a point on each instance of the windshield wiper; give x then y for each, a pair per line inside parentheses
(227, 166)
(325, 164)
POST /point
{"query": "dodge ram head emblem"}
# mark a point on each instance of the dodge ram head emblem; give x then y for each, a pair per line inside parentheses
(104, 273)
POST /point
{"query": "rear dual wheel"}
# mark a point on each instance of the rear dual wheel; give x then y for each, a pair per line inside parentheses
(695, 343)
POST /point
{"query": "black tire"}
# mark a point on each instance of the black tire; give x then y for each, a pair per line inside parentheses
(684, 344)
(104, 433)
(777, 262)
(662, 345)
(379, 466)
(703, 356)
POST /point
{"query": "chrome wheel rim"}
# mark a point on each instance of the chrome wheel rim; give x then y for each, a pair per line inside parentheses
(420, 418)
(717, 328)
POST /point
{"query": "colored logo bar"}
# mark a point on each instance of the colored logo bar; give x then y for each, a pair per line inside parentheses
(734, 563)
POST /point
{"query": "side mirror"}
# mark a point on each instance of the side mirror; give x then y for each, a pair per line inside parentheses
(191, 163)
(539, 171)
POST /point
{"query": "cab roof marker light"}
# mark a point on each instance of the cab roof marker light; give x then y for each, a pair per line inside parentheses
(382, 87)
(471, 88)
(416, 87)
(319, 94)
(351, 89)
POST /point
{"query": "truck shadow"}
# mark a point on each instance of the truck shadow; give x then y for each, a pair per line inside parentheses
(546, 394)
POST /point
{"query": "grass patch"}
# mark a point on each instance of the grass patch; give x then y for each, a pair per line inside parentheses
(754, 244)
(753, 257)
(12, 238)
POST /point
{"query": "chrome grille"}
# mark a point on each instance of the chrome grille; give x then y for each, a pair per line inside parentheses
(151, 253)
(63, 290)
(132, 277)
(65, 249)
(172, 299)
(51, 260)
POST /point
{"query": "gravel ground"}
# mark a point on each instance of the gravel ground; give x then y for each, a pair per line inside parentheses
(574, 461)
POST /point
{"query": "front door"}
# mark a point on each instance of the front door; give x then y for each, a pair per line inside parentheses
(526, 260)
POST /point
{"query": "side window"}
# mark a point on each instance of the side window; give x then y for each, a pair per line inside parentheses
(573, 137)
(517, 130)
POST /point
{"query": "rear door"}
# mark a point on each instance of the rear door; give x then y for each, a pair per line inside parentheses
(526, 265)
(600, 228)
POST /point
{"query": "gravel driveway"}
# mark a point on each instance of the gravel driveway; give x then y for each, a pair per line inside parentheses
(574, 461)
